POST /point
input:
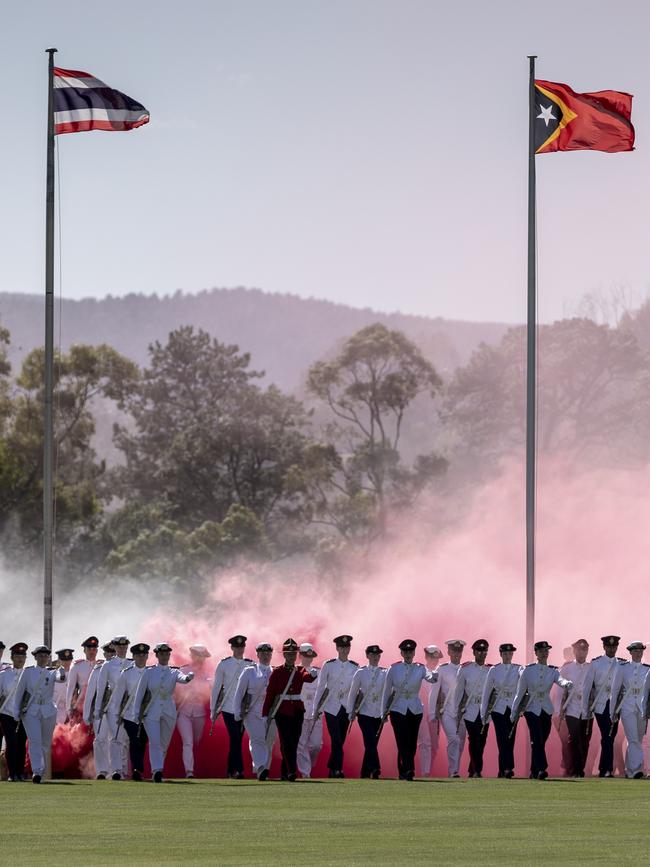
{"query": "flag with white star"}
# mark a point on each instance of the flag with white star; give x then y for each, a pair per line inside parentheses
(570, 121)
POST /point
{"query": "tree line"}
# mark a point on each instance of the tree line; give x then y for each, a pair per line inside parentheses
(215, 465)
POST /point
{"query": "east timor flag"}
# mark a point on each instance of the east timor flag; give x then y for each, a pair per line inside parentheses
(569, 121)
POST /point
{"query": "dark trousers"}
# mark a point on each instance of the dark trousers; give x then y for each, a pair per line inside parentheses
(289, 730)
(476, 744)
(578, 744)
(337, 726)
(235, 734)
(505, 743)
(369, 726)
(16, 739)
(606, 764)
(137, 744)
(539, 728)
(406, 727)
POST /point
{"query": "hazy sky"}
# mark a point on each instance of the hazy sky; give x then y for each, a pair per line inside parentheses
(371, 152)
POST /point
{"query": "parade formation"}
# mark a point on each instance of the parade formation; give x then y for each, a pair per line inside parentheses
(130, 706)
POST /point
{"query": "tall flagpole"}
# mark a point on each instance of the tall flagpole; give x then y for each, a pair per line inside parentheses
(531, 369)
(48, 409)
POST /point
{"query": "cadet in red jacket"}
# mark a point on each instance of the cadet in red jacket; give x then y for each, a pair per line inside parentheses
(283, 704)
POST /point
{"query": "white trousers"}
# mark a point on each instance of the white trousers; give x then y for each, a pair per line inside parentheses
(159, 732)
(259, 744)
(100, 746)
(309, 746)
(118, 744)
(190, 729)
(634, 728)
(39, 734)
(428, 743)
(455, 742)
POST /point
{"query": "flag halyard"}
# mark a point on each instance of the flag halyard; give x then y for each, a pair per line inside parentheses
(83, 102)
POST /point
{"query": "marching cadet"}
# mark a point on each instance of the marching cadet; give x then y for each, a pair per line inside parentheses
(118, 741)
(78, 676)
(248, 701)
(33, 705)
(222, 701)
(596, 700)
(192, 704)
(569, 707)
(496, 703)
(629, 702)
(3, 666)
(92, 714)
(470, 681)
(283, 703)
(429, 734)
(364, 704)
(445, 705)
(332, 692)
(311, 737)
(15, 736)
(401, 701)
(533, 697)
(65, 657)
(121, 704)
(154, 707)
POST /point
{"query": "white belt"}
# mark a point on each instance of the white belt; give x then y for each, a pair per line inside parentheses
(540, 695)
(635, 691)
(292, 698)
(507, 693)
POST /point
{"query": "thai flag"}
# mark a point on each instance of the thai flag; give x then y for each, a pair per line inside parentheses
(82, 102)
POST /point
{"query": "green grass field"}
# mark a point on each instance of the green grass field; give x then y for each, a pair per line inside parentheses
(478, 822)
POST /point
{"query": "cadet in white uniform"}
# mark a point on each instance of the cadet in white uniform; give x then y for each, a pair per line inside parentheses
(429, 734)
(446, 706)
(65, 657)
(469, 692)
(248, 701)
(34, 705)
(596, 700)
(154, 705)
(401, 700)
(311, 737)
(91, 713)
(106, 716)
(78, 677)
(364, 704)
(496, 702)
(15, 737)
(569, 705)
(122, 703)
(226, 677)
(535, 682)
(192, 705)
(630, 696)
(332, 691)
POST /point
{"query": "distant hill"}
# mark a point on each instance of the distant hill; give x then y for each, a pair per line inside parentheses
(283, 333)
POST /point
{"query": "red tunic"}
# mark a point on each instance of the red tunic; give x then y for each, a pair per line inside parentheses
(277, 684)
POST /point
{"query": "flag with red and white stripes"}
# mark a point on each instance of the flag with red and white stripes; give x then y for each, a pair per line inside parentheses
(83, 102)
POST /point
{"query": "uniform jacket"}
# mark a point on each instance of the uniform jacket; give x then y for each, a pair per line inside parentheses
(470, 681)
(77, 682)
(504, 678)
(226, 675)
(251, 687)
(123, 696)
(597, 685)
(291, 706)
(576, 672)
(369, 681)
(308, 694)
(443, 694)
(634, 677)
(194, 699)
(405, 678)
(537, 680)
(91, 706)
(38, 683)
(107, 678)
(337, 676)
(160, 681)
(8, 683)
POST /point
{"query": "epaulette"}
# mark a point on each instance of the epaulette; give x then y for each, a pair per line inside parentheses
(330, 660)
(226, 658)
(530, 664)
(77, 661)
(98, 663)
(645, 665)
(246, 659)
(467, 662)
(353, 662)
(622, 660)
(553, 666)
(443, 664)
(594, 658)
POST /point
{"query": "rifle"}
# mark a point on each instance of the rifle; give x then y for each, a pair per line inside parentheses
(217, 709)
(123, 704)
(24, 704)
(318, 711)
(617, 709)
(355, 710)
(277, 701)
(384, 716)
(493, 699)
(565, 701)
(102, 708)
(521, 710)
(144, 706)
(461, 711)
